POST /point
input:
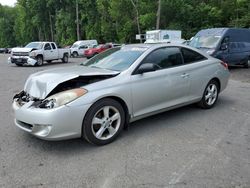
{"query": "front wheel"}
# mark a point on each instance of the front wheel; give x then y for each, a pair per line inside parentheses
(39, 61)
(210, 95)
(103, 122)
(75, 54)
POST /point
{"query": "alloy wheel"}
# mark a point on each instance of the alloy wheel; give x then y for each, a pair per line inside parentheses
(211, 94)
(106, 122)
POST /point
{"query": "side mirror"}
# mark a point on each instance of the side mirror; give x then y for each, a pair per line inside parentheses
(147, 67)
(224, 46)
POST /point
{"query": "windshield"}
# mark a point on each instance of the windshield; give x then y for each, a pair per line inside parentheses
(205, 41)
(117, 59)
(74, 45)
(36, 45)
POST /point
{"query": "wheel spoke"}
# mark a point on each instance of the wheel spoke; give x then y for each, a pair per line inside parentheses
(116, 116)
(207, 96)
(209, 101)
(106, 112)
(111, 130)
(97, 121)
(209, 89)
(100, 132)
(212, 88)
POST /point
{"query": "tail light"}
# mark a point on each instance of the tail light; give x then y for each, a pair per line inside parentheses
(224, 64)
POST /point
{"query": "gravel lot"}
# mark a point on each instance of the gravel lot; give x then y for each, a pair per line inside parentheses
(186, 147)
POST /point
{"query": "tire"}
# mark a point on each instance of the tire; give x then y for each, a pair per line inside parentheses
(247, 65)
(39, 60)
(65, 58)
(103, 122)
(75, 54)
(210, 95)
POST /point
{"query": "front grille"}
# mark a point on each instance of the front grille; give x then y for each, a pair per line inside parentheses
(20, 53)
(19, 60)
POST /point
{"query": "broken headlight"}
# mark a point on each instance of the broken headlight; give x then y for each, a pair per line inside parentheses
(62, 98)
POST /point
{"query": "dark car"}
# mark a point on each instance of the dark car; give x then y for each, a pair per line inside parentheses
(231, 45)
(4, 50)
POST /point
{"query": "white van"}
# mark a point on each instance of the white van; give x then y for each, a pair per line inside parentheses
(164, 36)
(78, 48)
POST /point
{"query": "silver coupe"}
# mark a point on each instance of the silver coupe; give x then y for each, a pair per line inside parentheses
(97, 99)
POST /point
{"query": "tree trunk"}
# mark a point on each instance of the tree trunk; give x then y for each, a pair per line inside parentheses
(158, 15)
(51, 28)
(137, 18)
(77, 21)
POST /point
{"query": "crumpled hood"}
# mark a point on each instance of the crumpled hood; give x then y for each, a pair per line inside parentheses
(40, 84)
(22, 49)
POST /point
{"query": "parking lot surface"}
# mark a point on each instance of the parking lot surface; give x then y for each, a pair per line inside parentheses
(186, 147)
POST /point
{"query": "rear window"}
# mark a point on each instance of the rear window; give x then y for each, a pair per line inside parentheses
(191, 56)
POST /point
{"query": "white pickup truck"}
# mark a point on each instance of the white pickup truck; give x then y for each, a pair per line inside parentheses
(35, 53)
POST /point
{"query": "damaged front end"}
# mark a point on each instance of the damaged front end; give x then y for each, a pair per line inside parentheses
(61, 94)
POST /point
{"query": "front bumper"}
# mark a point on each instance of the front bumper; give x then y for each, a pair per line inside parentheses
(61, 123)
(22, 60)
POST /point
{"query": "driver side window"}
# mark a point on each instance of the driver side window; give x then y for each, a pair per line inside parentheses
(47, 46)
(165, 57)
(224, 43)
(83, 47)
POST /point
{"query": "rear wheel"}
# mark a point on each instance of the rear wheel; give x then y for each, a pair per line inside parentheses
(210, 95)
(65, 58)
(39, 61)
(103, 122)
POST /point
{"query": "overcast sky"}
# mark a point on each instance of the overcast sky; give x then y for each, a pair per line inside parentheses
(8, 2)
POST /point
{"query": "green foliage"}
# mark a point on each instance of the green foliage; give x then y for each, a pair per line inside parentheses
(113, 20)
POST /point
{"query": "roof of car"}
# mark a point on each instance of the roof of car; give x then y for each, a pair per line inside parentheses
(158, 45)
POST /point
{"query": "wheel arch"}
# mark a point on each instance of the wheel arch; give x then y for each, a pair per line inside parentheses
(40, 55)
(66, 53)
(218, 81)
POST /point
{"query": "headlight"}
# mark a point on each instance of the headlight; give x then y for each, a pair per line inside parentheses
(63, 98)
(33, 54)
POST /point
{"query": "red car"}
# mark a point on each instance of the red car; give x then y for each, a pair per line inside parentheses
(94, 51)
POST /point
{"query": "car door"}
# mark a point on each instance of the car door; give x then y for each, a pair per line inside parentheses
(54, 53)
(230, 51)
(48, 52)
(199, 69)
(165, 87)
(234, 53)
